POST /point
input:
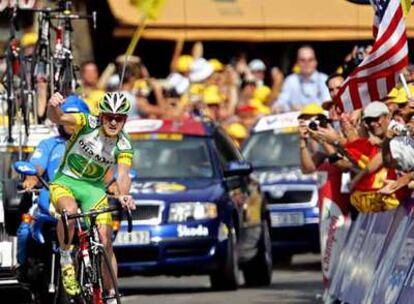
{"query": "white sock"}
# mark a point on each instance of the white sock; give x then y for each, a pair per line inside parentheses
(111, 292)
(65, 257)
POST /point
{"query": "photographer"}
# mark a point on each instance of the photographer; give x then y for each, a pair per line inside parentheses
(317, 155)
(318, 139)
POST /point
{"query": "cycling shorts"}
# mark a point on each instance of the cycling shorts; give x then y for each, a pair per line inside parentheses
(88, 195)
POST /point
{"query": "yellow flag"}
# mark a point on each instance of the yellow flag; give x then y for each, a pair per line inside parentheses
(406, 5)
(150, 8)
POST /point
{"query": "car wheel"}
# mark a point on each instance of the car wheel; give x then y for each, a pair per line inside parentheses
(258, 271)
(227, 276)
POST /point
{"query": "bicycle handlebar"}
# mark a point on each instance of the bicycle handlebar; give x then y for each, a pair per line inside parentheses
(76, 17)
(65, 217)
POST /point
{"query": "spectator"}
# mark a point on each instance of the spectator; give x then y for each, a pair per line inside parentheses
(365, 185)
(89, 79)
(304, 88)
(317, 155)
(258, 70)
(334, 83)
(213, 101)
(89, 75)
(247, 90)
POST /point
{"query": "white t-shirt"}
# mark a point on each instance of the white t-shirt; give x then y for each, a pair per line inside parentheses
(402, 150)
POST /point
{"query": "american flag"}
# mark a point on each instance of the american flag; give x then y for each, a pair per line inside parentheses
(378, 73)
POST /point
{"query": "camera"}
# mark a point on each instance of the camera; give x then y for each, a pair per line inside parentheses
(321, 121)
(398, 128)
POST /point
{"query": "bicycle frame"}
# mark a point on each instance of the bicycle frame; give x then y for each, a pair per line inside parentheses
(64, 76)
(88, 251)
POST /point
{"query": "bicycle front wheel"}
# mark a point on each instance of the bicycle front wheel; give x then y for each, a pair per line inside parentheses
(103, 264)
(91, 279)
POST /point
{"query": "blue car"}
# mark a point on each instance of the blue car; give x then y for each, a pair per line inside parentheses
(198, 210)
(291, 197)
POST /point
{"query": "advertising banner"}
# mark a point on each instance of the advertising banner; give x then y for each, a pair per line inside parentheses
(367, 257)
(350, 253)
(388, 259)
(334, 221)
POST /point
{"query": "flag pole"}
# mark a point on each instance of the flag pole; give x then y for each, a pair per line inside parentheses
(405, 86)
(131, 47)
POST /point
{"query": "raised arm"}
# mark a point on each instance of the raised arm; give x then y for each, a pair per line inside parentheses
(55, 114)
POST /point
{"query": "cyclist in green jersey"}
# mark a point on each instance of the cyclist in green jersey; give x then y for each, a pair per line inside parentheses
(97, 144)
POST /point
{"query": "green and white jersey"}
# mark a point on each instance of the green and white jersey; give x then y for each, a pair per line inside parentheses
(89, 153)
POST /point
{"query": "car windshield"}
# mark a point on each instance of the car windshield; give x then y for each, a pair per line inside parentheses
(183, 157)
(267, 149)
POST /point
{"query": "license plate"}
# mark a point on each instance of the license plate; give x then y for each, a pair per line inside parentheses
(133, 238)
(286, 219)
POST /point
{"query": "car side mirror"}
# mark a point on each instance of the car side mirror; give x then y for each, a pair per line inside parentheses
(238, 167)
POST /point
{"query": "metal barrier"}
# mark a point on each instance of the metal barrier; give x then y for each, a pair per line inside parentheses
(376, 264)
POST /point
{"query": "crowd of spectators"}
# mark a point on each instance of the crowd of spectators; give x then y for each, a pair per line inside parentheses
(374, 145)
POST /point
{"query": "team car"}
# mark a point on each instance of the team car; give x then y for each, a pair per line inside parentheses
(291, 197)
(198, 211)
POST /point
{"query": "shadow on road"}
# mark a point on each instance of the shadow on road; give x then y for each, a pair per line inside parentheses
(314, 266)
(145, 290)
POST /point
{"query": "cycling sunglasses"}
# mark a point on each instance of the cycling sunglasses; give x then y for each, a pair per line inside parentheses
(116, 117)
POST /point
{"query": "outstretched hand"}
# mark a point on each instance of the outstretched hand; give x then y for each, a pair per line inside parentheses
(394, 185)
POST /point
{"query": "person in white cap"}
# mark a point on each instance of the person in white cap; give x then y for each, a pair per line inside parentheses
(305, 87)
(201, 70)
(376, 117)
(258, 69)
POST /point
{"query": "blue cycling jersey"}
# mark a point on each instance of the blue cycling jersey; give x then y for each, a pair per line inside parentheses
(48, 155)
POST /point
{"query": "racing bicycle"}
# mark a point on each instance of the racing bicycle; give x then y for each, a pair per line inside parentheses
(91, 256)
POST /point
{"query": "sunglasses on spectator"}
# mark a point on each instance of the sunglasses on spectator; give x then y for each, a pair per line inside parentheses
(402, 105)
(116, 117)
(334, 88)
(370, 120)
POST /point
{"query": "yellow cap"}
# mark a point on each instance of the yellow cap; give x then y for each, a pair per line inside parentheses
(237, 130)
(217, 65)
(260, 108)
(28, 39)
(261, 93)
(195, 93)
(393, 93)
(184, 63)
(311, 109)
(196, 89)
(212, 96)
(399, 95)
(142, 87)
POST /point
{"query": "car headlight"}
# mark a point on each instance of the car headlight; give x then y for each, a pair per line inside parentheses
(181, 212)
